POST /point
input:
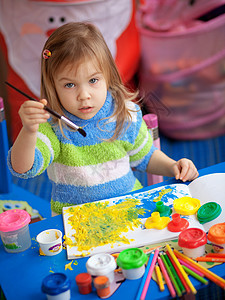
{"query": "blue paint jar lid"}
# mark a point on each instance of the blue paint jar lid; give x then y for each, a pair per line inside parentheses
(55, 284)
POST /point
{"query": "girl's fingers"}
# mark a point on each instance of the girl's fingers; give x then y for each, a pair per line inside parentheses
(185, 170)
(44, 116)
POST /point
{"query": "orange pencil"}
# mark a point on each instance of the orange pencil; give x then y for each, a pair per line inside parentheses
(187, 288)
(221, 255)
(213, 259)
(210, 275)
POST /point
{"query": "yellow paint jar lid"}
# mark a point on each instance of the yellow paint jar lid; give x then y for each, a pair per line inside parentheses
(186, 205)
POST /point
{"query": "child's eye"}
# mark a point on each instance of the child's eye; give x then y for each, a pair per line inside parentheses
(69, 85)
(93, 80)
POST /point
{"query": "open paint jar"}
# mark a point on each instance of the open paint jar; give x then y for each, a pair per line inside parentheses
(56, 286)
(14, 230)
(102, 264)
(192, 241)
(132, 262)
(216, 236)
(50, 241)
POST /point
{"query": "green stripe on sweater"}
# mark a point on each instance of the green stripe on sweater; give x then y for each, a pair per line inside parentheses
(141, 136)
(144, 151)
(45, 152)
(71, 155)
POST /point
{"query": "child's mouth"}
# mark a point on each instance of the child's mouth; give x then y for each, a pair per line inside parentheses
(86, 109)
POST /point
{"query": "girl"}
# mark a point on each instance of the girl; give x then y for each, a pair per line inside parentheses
(80, 81)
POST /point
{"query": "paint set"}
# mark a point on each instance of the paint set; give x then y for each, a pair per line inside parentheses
(171, 267)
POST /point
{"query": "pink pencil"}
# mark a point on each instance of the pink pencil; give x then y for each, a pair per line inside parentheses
(190, 267)
(166, 277)
(149, 276)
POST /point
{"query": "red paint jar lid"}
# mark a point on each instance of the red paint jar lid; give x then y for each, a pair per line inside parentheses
(177, 224)
(83, 279)
(192, 238)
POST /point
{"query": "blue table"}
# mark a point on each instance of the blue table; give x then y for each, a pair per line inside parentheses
(21, 274)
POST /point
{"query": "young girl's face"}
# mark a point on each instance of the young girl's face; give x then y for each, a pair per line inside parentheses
(82, 91)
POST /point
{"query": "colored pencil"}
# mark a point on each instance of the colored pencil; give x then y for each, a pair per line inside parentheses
(181, 269)
(176, 276)
(196, 276)
(167, 279)
(186, 286)
(221, 255)
(212, 259)
(174, 282)
(210, 275)
(183, 263)
(149, 276)
(144, 277)
(159, 278)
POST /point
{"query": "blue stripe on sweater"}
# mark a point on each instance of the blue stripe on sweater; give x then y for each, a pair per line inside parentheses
(79, 195)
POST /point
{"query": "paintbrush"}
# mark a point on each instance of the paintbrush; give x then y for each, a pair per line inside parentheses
(54, 113)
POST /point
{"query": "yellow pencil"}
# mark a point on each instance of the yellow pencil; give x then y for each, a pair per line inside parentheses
(210, 275)
(159, 278)
(184, 274)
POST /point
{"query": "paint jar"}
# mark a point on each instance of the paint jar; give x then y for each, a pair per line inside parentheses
(132, 262)
(177, 224)
(192, 241)
(83, 281)
(50, 241)
(14, 230)
(216, 236)
(164, 210)
(102, 285)
(208, 212)
(186, 205)
(102, 264)
(56, 286)
(156, 222)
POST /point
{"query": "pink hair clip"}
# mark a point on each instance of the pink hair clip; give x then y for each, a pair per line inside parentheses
(47, 54)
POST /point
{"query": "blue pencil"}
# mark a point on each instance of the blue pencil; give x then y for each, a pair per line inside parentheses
(145, 276)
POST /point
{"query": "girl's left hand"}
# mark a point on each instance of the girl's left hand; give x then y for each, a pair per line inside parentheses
(185, 170)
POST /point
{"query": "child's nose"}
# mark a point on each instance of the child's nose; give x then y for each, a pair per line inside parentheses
(83, 94)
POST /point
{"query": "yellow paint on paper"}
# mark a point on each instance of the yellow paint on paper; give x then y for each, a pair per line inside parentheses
(97, 224)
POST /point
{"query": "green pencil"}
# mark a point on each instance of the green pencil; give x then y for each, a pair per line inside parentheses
(175, 284)
(196, 276)
(177, 278)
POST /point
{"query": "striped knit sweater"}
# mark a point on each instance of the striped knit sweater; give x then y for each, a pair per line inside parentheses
(85, 169)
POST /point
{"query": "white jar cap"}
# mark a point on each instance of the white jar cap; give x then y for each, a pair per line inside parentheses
(100, 264)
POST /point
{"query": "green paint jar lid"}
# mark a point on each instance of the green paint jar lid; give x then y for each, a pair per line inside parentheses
(131, 258)
(208, 212)
(164, 210)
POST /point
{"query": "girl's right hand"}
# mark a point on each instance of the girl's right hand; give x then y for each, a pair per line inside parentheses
(32, 114)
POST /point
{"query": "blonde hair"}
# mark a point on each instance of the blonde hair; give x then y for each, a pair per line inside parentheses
(73, 43)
